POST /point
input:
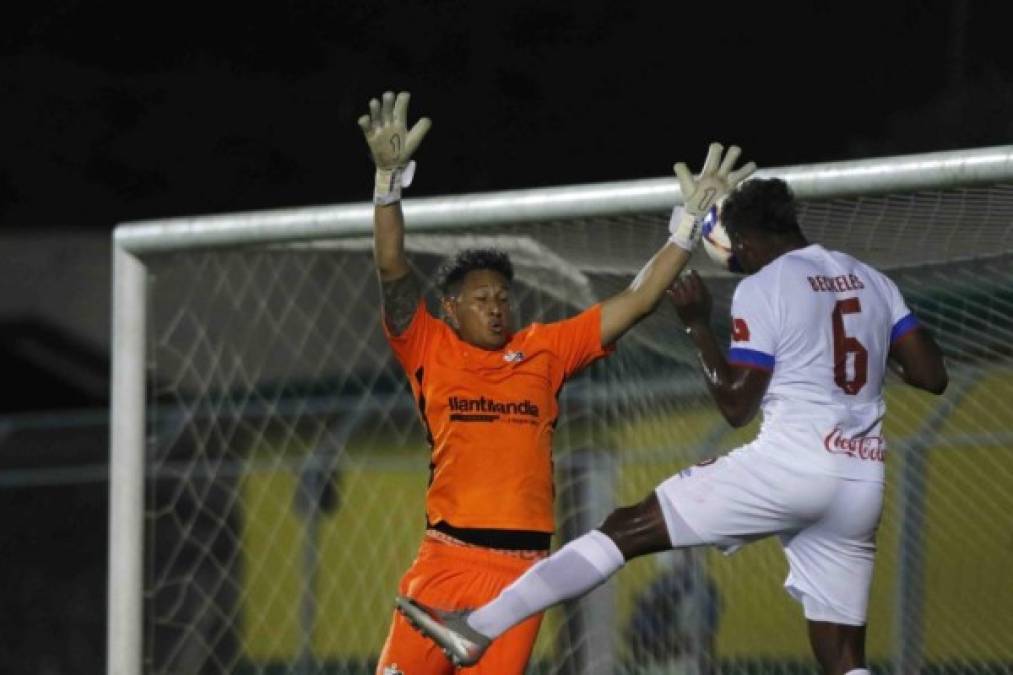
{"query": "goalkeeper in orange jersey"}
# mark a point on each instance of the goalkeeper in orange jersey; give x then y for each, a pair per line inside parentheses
(487, 393)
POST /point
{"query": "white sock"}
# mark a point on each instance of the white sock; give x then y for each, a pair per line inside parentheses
(859, 671)
(586, 562)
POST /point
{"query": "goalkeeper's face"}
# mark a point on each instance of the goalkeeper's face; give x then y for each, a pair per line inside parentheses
(480, 310)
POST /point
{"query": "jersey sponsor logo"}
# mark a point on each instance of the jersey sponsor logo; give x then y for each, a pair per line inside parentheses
(484, 409)
(513, 357)
(871, 448)
(392, 669)
(740, 330)
(838, 284)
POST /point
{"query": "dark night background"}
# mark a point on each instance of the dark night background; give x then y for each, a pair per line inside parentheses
(116, 111)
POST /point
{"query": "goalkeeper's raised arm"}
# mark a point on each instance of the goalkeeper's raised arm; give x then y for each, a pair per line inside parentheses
(392, 145)
(700, 194)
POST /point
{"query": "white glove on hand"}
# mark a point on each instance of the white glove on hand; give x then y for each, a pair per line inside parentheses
(700, 194)
(391, 144)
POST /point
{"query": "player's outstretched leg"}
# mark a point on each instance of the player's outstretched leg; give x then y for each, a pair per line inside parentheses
(575, 569)
(462, 644)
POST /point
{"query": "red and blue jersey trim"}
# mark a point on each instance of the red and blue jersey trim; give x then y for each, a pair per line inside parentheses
(904, 326)
(750, 358)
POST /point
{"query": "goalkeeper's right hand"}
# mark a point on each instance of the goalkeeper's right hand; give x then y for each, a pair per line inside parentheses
(392, 144)
(703, 192)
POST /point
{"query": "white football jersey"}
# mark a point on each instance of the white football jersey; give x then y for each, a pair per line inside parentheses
(822, 323)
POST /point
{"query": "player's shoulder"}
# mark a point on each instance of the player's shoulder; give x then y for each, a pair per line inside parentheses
(809, 257)
(777, 277)
(533, 329)
(762, 282)
(817, 253)
(753, 288)
(843, 269)
(587, 314)
(536, 332)
(813, 256)
(818, 259)
(534, 338)
(550, 334)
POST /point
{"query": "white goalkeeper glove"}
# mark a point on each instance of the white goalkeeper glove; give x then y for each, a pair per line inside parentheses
(701, 193)
(392, 144)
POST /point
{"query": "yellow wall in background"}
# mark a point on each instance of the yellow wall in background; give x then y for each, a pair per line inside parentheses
(365, 549)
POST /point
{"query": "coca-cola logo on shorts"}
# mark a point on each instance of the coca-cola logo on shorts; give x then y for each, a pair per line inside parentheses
(872, 448)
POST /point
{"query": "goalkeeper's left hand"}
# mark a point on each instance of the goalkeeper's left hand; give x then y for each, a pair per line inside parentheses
(703, 192)
(392, 144)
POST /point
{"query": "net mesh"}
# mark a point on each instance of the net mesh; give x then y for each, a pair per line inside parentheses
(287, 467)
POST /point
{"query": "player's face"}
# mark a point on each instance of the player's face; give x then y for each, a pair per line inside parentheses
(481, 309)
(744, 252)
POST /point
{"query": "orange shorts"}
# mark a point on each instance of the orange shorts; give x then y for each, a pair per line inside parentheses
(451, 576)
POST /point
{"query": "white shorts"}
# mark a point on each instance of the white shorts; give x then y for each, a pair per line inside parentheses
(827, 525)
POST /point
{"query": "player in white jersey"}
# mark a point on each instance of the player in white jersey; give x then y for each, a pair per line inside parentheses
(812, 333)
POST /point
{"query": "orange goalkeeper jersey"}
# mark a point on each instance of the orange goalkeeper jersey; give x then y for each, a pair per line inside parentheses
(490, 416)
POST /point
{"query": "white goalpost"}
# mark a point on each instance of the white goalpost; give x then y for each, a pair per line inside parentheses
(268, 468)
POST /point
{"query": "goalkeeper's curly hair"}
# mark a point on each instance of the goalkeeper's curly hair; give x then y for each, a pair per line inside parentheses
(765, 204)
(453, 270)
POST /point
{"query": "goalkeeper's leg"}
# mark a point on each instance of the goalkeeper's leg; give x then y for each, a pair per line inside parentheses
(452, 576)
(575, 569)
(584, 563)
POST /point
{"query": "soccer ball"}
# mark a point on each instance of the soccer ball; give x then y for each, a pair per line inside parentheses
(716, 242)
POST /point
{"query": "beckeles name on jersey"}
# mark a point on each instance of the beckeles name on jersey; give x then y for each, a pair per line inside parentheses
(838, 284)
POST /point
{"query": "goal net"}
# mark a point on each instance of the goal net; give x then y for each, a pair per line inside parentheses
(269, 467)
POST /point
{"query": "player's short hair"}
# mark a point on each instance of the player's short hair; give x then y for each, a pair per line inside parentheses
(765, 204)
(453, 270)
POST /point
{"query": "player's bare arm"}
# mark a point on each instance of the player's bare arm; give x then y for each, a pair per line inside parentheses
(737, 391)
(622, 311)
(400, 286)
(919, 361)
(392, 145)
(400, 300)
(700, 193)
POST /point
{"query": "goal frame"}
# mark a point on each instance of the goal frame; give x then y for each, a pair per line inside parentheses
(132, 241)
